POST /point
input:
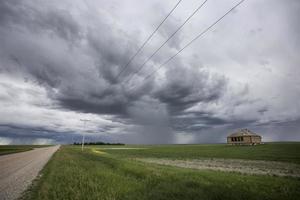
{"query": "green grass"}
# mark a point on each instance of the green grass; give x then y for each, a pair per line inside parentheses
(8, 149)
(72, 174)
(285, 152)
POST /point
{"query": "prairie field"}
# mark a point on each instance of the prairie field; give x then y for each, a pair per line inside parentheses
(8, 149)
(180, 172)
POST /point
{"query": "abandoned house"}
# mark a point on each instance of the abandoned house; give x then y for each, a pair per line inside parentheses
(244, 137)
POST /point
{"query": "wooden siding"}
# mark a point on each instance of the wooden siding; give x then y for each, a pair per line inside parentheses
(244, 140)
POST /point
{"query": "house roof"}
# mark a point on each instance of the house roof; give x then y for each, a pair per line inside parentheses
(243, 132)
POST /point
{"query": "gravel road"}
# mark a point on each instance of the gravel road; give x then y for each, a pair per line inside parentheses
(18, 170)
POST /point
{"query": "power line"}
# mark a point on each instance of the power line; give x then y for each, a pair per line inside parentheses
(147, 40)
(193, 40)
(149, 58)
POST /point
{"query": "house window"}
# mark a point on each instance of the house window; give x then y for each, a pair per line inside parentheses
(242, 139)
(232, 139)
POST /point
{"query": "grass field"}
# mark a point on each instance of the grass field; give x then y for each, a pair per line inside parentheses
(8, 149)
(285, 152)
(112, 174)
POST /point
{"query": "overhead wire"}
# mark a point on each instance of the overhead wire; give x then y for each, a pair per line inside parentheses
(147, 40)
(193, 40)
(166, 41)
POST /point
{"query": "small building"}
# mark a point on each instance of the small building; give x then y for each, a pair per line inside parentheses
(244, 137)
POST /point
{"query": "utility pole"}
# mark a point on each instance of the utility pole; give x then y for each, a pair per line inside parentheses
(83, 135)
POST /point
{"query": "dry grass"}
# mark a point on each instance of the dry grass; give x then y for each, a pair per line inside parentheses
(258, 167)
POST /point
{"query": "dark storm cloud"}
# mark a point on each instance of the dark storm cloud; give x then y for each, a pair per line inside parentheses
(35, 135)
(202, 121)
(109, 50)
(8, 130)
(38, 19)
(186, 86)
(74, 50)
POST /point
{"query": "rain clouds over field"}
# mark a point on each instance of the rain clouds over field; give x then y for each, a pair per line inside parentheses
(59, 61)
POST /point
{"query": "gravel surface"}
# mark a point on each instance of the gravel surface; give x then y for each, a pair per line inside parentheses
(259, 167)
(18, 170)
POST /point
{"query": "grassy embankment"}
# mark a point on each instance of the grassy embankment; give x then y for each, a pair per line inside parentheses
(8, 149)
(111, 174)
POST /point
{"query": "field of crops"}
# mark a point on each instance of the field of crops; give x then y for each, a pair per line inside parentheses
(8, 149)
(286, 152)
(107, 172)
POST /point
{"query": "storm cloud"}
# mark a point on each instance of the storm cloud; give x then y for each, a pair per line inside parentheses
(60, 61)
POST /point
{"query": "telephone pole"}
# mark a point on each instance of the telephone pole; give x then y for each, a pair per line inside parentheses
(83, 134)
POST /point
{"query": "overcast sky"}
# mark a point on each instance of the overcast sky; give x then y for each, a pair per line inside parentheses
(59, 61)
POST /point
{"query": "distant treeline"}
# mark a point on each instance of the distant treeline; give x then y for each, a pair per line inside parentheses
(97, 143)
